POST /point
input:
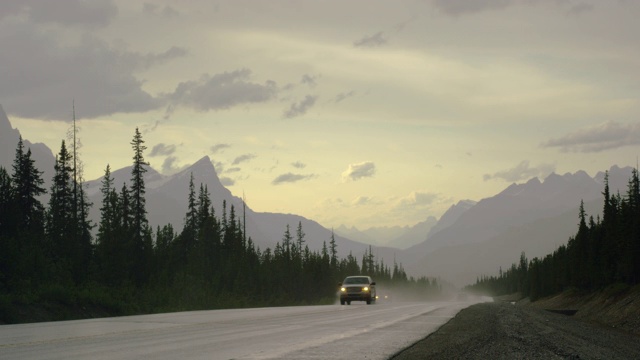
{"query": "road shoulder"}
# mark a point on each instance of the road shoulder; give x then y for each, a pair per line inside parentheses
(505, 331)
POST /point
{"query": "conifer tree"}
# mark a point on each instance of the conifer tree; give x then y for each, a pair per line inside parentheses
(286, 243)
(6, 202)
(28, 228)
(27, 186)
(61, 227)
(112, 240)
(189, 231)
(140, 226)
(138, 190)
(7, 243)
(300, 236)
(333, 251)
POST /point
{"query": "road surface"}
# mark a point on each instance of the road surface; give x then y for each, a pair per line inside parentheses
(305, 332)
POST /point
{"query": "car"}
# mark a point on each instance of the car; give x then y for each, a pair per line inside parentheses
(357, 288)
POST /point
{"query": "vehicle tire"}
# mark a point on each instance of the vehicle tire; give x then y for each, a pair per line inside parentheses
(341, 302)
(369, 301)
(348, 302)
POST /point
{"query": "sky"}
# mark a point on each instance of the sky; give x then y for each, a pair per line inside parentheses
(363, 113)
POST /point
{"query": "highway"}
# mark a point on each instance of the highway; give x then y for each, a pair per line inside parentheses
(304, 332)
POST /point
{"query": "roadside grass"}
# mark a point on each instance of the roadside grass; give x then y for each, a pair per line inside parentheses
(616, 306)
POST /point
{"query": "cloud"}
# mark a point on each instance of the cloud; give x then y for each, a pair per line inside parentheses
(577, 9)
(309, 80)
(290, 178)
(41, 80)
(343, 96)
(154, 9)
(219, 148)
(467, 7)
(168, 165)
(298, 165)
(98, 13)
(605, 136)
(374, 40)
(162, 149)
(463, 7)
(522, 171)
(223, 91)
(151, 59)
(361, 201)
(232, 170)
(243, 158)
(417, 199)
(358, 171)
(218, 166)
(227, 181)
(301, 107)
(11, 7)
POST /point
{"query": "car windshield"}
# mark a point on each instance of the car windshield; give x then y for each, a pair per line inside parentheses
(356, 280)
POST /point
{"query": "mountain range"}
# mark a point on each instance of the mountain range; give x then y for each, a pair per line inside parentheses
(469, 240)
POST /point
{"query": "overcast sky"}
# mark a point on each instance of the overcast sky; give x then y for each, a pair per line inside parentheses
(362, 113)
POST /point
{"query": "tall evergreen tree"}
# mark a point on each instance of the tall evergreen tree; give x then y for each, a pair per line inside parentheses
(138, 189)
(333, 251)
(27, 231)
(286, 243)
(6, 202)
(190, 229)
(7, 243)
(61, 226)
(140, 225)
(27, 186)
(300, 236)
(113, 233)
(68, 228)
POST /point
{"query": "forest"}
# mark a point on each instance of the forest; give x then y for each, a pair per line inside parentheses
(51, 262)
(603, 253)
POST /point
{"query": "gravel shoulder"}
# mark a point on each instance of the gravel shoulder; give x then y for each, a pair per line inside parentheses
(501, 330)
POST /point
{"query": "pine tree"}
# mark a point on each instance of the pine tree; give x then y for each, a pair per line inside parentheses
(286, 243)
(300, 236)
(190, 229)
(113, 234)
(27, 231)
(61, 227)
(7, 243)
(6, 202)
(138, 201)
(333, 251)
(27, 185)
(140, 226)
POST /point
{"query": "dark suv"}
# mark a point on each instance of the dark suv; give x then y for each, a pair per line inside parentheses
(358, 288)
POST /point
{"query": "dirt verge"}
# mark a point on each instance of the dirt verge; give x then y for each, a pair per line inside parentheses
(501, 330)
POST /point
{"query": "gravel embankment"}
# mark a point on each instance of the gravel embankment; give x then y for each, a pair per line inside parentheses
(504, 331)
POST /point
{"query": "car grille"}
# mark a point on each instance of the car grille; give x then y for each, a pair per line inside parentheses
(354, 289)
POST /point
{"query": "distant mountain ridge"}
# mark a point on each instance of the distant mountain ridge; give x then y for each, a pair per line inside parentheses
(167, 201)
(166, 198)
(502, 226)
(400, 237)
(40, 153)
(470, 239)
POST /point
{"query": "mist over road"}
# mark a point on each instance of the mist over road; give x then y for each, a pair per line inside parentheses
(333, 331)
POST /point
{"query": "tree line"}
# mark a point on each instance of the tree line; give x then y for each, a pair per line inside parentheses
(603, 252)
(49, 252)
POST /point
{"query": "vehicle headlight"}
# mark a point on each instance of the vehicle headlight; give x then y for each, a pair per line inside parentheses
(366, 288)
(343, 289)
